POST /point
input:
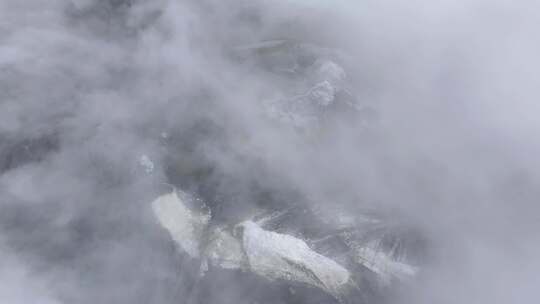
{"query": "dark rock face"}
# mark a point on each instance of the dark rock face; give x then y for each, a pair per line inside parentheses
(15, 152)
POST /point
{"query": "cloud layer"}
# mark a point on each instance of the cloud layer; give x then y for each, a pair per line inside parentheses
(89, 87)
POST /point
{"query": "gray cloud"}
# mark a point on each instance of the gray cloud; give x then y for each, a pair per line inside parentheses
(89, 87)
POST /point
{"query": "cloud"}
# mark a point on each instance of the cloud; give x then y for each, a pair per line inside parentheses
(88, 88)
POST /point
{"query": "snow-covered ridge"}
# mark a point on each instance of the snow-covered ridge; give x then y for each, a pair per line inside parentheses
(247, 246)
(280, 256)
(269, 254)
(185, 226)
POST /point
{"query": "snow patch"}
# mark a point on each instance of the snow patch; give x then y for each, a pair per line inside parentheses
(146, 163)
(280, 256)
(382, 264)
(185, 226)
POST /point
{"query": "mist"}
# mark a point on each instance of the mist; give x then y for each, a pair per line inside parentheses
(106, 104)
